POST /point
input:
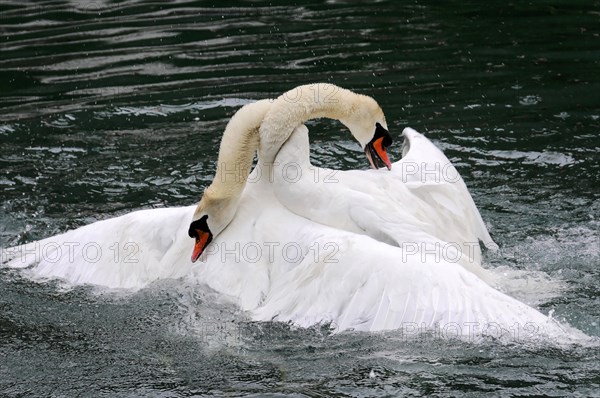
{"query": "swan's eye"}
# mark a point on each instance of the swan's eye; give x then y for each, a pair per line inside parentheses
(198, 225)
(380, 131)
(201, 233)
(376, 148)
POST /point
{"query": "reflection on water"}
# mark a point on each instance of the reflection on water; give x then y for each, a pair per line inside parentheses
(111, 106)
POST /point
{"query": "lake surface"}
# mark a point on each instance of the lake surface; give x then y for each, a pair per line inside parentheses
(107, 107)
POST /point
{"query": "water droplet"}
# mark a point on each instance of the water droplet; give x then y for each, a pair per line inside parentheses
(530, 100)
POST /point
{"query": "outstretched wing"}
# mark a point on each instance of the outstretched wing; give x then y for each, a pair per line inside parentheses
(128, 251)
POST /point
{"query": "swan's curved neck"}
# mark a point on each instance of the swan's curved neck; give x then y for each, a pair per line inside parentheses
(298, 105)
(236, 153)
(296, 150)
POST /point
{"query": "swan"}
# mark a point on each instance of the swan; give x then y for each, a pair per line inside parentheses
(279, 265)
(276, 120)
(446, 221)
(431, 214)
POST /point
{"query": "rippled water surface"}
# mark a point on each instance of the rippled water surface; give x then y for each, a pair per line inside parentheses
(110, 106)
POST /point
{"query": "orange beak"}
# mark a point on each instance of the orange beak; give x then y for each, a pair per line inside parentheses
(202, 240)
(382, 153)
(377, 154)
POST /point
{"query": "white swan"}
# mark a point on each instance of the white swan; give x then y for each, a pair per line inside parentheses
(442, 220)
(277, 119)
(422, 206)
(280, 265)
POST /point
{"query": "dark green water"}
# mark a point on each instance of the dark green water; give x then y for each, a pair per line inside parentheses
(106, 107)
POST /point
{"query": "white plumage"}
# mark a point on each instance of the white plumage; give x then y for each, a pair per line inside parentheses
(345, 270)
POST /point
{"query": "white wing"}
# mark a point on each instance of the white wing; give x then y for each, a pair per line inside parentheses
(128, 251)
(422, 204)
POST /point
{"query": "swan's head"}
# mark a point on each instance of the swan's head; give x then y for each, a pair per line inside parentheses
(212, 215)
(366, 122)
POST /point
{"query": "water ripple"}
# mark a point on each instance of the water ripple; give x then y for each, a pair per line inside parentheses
(109, 106)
